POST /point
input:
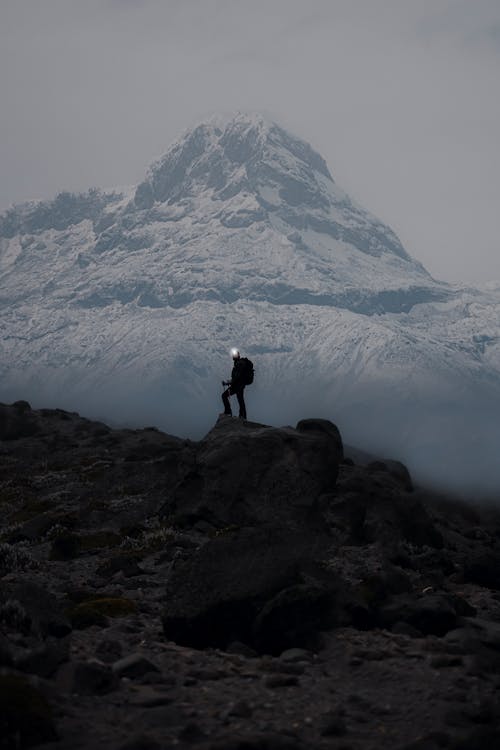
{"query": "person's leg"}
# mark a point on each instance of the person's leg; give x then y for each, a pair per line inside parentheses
(241, 403)
(225, 401)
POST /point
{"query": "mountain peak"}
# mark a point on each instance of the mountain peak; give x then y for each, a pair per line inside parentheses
(244, 148)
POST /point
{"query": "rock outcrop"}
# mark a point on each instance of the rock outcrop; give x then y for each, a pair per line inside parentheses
(255, 589)
(245, 473)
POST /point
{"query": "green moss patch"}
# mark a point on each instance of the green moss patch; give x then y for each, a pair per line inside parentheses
(95, 611)
(25, 715)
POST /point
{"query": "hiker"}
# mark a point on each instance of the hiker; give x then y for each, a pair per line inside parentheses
(241, 376)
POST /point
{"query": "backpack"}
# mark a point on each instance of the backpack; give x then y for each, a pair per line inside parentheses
(248, 373)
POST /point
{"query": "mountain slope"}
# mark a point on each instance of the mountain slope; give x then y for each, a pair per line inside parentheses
(125, 303)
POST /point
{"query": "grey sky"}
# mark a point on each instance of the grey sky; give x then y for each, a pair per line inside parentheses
(401, 97)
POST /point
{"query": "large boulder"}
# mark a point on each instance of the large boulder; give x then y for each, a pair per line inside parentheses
(245, 473)
(260, 587)
(374, 506)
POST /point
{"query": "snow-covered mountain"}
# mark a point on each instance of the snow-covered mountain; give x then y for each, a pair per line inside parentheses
(124, 303)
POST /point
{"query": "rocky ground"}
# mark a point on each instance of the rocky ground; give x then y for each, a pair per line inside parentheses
(258, 590)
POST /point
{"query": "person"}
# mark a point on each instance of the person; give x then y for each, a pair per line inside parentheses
(241, 375)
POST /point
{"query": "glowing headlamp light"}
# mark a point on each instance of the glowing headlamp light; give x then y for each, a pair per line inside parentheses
(234, 352)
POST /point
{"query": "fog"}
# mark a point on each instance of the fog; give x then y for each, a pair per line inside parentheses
(450, 449)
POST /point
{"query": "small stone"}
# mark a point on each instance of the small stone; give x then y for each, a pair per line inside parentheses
(241, 709)
(125, 564)
(404, 628)
(109, 651)
(281, 680)
(296, 654)
(147, 697)
(92, 678)
(133, 665)
(191, 733)
(333, 723)
(44, 659)
(442, 661)
(141, 742)
(206, 673)
(236, 647)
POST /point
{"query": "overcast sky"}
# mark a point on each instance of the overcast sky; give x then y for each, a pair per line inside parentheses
(401, 97)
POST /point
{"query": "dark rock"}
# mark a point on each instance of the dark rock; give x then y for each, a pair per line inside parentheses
(214, 597)
(395, 469)
(45, 659)
(96, 611)
(241, 709)
(347, 512)
(141, 742)
(246, 473)
(6, 657)
(91, 677)
(381, 511)
(477, 739)
(109, 650)
(206, 673)
(443, 661)
(481, 631)
(430, 614)
(293, 617)
(33, 529)
(236, 647)
(296, 654)
(281, 680)
(147, 697)
(404, 628)
(324, 427)
(65, 547)
(126, 564)
(399, 556)
(25, 715)
(42, 608)
(17, 421)
(333, 724)
(191, 733)
(407, 515)
(483, 568)
(134, 665)
(21, 407)
(462, 606)
(377, 587)
(264, 741)
(431, 741)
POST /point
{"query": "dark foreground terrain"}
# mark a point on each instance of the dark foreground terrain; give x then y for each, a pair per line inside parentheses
(256, 590)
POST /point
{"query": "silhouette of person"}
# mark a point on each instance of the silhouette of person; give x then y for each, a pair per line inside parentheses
(236, 385)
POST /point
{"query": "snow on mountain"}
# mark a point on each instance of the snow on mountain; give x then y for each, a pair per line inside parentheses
(124, 303)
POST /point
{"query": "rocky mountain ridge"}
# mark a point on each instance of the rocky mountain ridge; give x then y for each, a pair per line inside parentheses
(255, 590)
